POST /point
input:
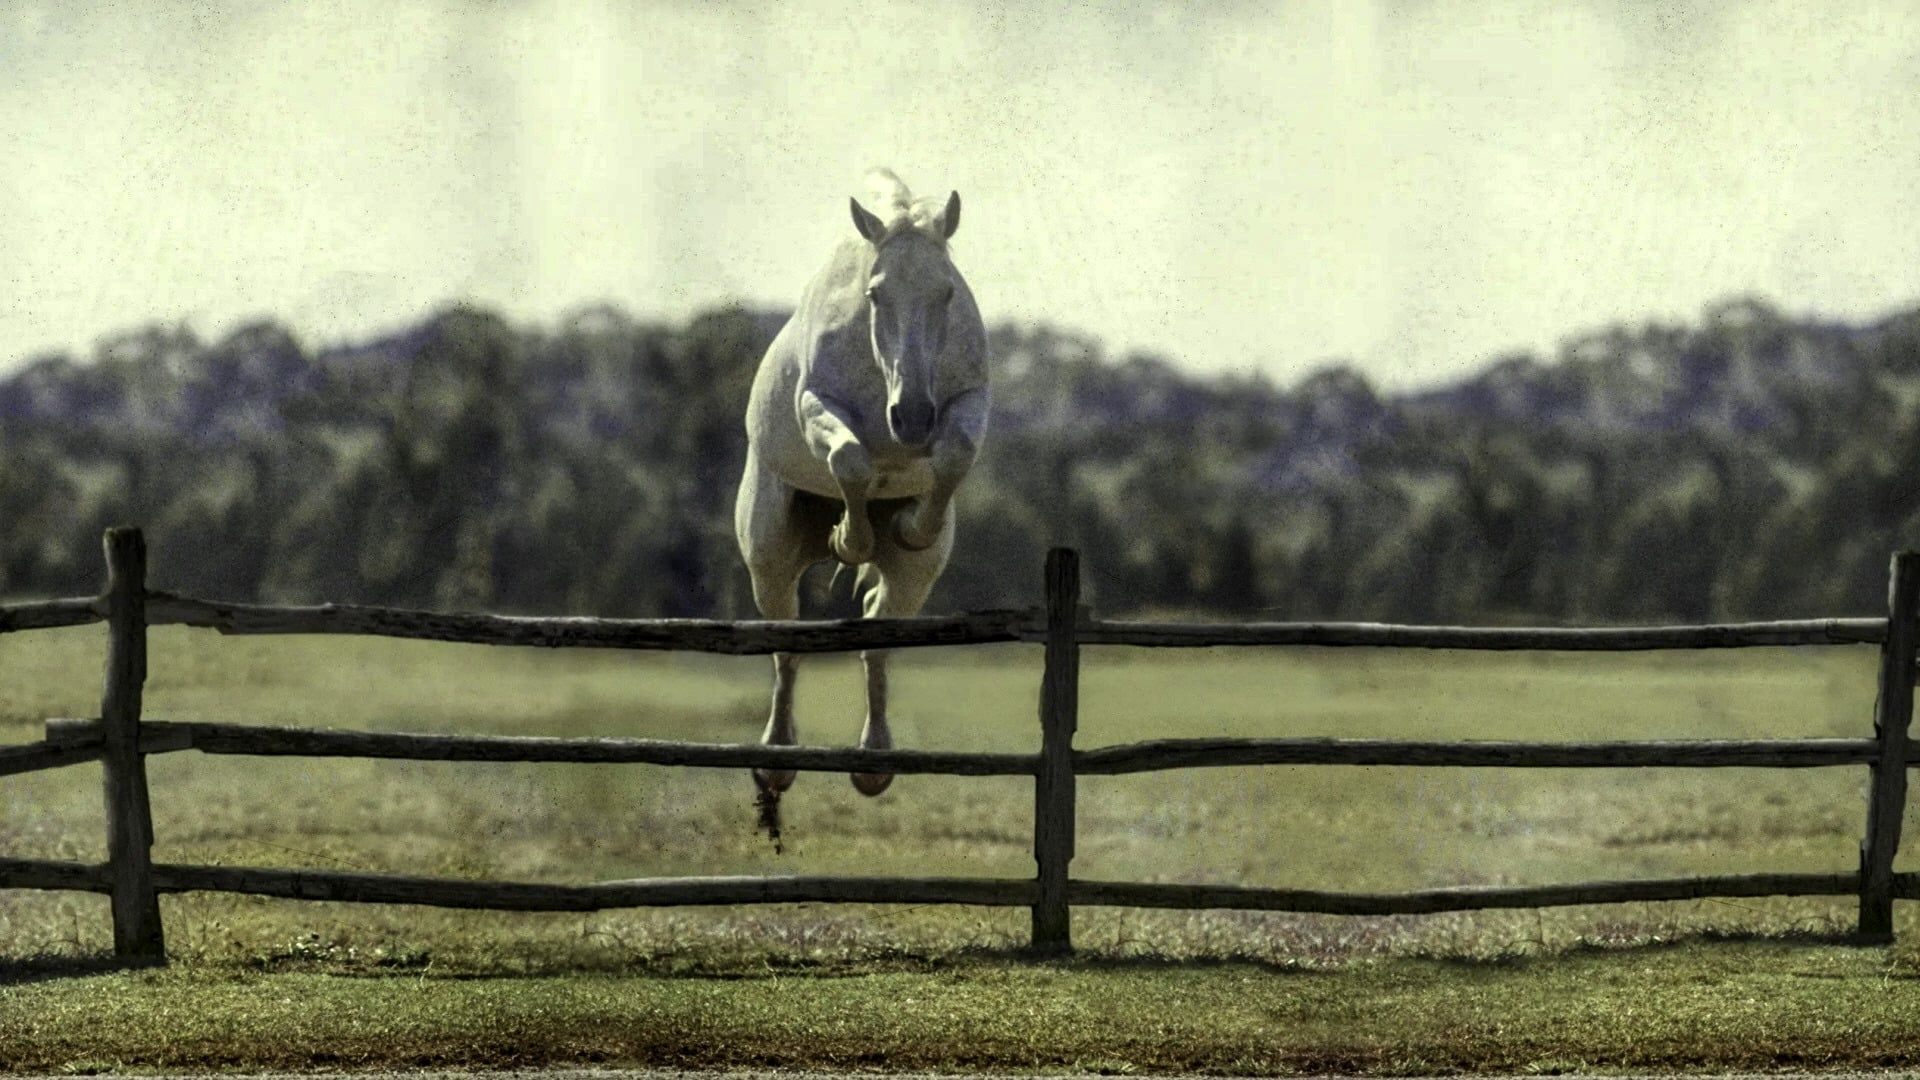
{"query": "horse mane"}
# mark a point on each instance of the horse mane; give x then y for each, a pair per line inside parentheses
(893, 203)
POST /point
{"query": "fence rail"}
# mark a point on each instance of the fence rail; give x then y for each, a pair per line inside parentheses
(1718, 753)
(71, 741)
(121, 738)
(365, 888)
(1793, 632)
(33, 757)
(754, 637)
(165, 736)
(1004, 892)
(742, 638)
(1466, 898)
(50, 614)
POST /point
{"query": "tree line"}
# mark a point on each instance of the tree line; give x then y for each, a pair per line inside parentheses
(1749, 465)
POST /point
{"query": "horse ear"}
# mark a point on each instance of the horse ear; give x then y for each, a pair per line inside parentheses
(950, 217)
(870, 226)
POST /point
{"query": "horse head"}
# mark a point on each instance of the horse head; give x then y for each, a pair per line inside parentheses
(908, 294)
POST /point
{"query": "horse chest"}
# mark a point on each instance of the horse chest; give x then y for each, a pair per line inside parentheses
(898, 472)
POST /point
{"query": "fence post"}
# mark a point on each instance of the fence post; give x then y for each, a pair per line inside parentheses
(1053, 788)
(137, 933)
(1892, 713)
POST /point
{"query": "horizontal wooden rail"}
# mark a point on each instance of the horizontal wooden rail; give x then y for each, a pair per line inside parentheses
(125, 738)
(163, 736)
(48, 614)
(527, 896)
(33, 757)
(55, 874)
(738, 638)
(1200, 753)
(651, 892)
(754, 637)
(1466, 898)
(1568, 639)
(78, 740)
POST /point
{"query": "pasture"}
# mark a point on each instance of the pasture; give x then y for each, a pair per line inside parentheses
(683, 969)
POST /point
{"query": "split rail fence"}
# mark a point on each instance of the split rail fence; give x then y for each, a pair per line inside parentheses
(121, 739)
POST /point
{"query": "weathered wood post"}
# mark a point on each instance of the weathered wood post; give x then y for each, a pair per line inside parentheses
(1053, 789)
(1892, 713)
(137, 934)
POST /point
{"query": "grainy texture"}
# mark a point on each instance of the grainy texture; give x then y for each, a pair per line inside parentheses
(1053, 813)
(1563, 639)
(1247, 898)
(523, 896)
(47, 614)
(34, 757)
(55, 874)
(165, 736)
(1195, 753)
(122, 736)
(137, 933)
(444, 892)
(1892, 714)
(529, 896)
(743, 638)
(159, 736)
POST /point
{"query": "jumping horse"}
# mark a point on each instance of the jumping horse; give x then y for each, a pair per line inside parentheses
(866, 414)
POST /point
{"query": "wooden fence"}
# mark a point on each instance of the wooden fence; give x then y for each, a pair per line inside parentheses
(120, 739)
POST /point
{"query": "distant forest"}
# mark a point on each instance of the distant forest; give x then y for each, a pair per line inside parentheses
(1750, 466)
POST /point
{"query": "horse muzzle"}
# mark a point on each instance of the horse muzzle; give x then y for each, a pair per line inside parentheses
(911, 422)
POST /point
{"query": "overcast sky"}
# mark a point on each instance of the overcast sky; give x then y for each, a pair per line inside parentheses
(1414, 187)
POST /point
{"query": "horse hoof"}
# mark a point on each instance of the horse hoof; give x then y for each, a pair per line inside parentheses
(774, 780)
(849, 556)
(846, 550)
(871, 784)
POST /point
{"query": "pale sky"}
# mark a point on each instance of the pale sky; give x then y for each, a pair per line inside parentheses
(1413, 187)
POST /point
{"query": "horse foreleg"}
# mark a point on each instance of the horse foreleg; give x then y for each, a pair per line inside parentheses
(956, 442)
(831, 438)
(852, 539)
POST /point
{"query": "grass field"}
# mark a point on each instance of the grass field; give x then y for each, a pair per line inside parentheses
(1227, 991)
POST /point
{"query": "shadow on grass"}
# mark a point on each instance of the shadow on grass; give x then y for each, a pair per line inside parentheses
(958, 961)
(1640, 946)
(32, 969)
(851, 965)
(1013, 956)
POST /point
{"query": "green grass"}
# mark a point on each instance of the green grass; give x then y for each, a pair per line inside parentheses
(266, 982)
(1723, 1005)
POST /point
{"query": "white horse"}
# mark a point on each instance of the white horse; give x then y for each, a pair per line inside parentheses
(866, 414)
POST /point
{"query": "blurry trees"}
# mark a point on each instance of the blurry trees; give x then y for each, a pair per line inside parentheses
(1753, 466)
